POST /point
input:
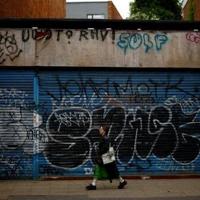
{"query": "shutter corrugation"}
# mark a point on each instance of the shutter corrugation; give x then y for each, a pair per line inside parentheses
(16, 123)
(153, 119)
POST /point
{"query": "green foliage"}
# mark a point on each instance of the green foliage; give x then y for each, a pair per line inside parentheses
(155, 10)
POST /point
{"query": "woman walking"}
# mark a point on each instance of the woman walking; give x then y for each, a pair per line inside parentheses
(105, 160)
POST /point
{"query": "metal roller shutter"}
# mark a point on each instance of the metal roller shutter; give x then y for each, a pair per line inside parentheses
(49, 120)
(16, 123)
(153, 118)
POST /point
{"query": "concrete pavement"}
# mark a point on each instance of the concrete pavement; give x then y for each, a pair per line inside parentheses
(151, 189)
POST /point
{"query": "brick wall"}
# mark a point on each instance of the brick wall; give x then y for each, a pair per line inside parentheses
(186, 10)
(32, 8)
(113, 12)
(197, 14)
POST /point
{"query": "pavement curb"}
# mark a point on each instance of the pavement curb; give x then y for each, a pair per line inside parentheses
(142, 177)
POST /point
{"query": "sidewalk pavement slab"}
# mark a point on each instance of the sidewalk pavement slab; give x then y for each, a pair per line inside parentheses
(151, 189)
(86, 198)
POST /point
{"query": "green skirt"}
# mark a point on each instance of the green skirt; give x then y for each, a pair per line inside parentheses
(100, 172)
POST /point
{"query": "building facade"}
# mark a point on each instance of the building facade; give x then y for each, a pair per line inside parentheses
(191, 10)
(92, 10)
(61, 81)
(32, 9)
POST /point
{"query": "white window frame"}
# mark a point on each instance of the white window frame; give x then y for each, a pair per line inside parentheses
(95, 16)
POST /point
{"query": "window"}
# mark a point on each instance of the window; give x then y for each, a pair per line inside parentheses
(95, 16)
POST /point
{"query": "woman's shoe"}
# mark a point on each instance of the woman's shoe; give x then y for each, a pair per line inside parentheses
(91, 187)
(122, 184)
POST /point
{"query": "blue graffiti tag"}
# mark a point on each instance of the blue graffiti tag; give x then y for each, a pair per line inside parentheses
(136, 40)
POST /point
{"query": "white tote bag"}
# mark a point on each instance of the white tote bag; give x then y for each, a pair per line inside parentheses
(109, 156)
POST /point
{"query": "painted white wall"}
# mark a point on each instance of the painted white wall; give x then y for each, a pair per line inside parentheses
(89, 48)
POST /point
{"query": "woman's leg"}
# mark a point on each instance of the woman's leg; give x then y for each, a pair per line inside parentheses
(94, 181)
(121, 180)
